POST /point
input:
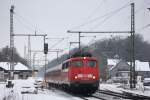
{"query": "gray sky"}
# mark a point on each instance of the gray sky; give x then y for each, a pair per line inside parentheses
(55, 17)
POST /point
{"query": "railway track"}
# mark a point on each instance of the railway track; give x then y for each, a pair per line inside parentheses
(109, 95)
(93, 98)
(99, 95)
(119, 95)
(106, 95)
(123, 95)
(103, 95)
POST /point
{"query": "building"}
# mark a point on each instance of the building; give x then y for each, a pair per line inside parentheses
(111, 64)
(2, 74)
(20, 71)
(120, 71)
(142, 69)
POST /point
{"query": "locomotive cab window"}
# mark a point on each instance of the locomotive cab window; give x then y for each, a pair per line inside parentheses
(91, 63)
(77, 63)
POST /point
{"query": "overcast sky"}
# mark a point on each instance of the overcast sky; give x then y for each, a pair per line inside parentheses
(55, 17)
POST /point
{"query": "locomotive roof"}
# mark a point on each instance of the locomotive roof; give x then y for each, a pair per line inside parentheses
(77, 58)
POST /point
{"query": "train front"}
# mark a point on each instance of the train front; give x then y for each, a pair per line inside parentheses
(84, 74)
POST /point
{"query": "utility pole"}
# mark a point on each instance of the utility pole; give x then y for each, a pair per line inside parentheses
(25, 52)
(45, 69)
(11, 42)
(79, 37)
(33, 65)
(79, 41)
(70, 47)
(133, 47)
(29, 53)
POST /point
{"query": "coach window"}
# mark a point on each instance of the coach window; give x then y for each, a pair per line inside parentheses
(91, 63)
(65, 65)
(77, 63)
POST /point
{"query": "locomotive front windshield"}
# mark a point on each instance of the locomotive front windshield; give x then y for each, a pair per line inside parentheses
(77, 63)
(91, 63)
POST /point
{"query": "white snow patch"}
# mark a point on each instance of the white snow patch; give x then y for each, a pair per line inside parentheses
(23, 85)
(142, 66)
(18, 66)
(118, 89)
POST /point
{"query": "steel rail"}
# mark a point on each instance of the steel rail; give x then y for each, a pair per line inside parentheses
(113, 94)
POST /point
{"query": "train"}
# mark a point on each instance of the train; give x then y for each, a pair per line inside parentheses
(77, 74)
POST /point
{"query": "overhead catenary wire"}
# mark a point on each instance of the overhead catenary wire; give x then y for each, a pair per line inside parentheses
(56, 43)
(138, 11)
(24, 22)
(27, 24)
(109, 16)
(97, 8)
(144, 27)
(103, 16)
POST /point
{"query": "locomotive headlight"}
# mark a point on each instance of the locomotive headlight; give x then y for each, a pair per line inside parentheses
(75, 77)
(94, 77)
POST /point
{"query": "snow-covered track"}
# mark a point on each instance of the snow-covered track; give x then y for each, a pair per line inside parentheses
(120, 95)
(84, 98)
(92, 98)
(124, 95)
(136, 96)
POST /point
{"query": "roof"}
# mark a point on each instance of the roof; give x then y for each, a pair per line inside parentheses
(141, 66)
(112, 63)
(4, 65)
(18, 66)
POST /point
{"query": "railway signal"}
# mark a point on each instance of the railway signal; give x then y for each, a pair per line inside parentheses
(45, 48)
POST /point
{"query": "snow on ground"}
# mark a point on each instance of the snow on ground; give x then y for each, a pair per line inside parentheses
(20, 86)
(110, 87)
(118, 88)
(28, 86)
(2, 93)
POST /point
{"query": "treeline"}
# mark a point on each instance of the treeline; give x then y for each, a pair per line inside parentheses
(5, 56)
(120, 48)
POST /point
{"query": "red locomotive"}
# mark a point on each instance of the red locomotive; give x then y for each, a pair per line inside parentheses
(79, 74)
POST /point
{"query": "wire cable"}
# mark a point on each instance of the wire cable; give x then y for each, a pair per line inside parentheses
(97, 8)
(25, 26)
(144, 27)
(105, 15)
(109, 16)
(28, 25)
